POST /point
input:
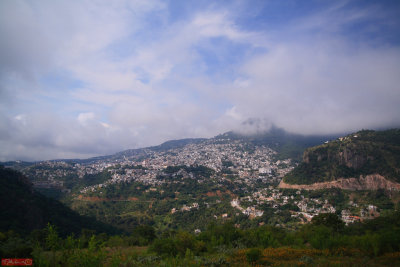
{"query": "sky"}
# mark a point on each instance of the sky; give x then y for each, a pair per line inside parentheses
(86, 78)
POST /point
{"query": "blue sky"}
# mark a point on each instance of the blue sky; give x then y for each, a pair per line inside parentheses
(87, 78)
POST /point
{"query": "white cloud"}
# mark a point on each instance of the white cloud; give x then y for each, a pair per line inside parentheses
(319, 88)
(83, 118)
(216, 24)
(21, 118)
(126, 76)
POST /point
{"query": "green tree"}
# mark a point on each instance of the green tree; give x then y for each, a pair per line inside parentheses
(164, 247)
(53, 241)
(329, 220)
(184, 241)
(144, 234)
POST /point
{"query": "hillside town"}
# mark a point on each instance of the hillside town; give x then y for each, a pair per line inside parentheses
(247, 163)
(232, 161)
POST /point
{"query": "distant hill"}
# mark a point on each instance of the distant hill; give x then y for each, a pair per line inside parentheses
(172, 144)
(23, 209)
(363, 153)
(17, 165)
(288, 145)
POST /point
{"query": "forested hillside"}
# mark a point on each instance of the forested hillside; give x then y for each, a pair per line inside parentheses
(23, 209)
(361, 153)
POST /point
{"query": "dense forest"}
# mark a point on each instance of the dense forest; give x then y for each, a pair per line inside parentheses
(24, 210)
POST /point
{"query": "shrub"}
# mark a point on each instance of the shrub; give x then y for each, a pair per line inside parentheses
(253, 255)
(164, 247)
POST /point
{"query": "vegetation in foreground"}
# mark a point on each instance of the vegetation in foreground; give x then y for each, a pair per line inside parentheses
(324, 242)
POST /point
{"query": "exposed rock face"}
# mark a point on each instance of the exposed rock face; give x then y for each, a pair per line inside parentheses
(348, 156)
(351, 159)
(369, 182)
(364, 154)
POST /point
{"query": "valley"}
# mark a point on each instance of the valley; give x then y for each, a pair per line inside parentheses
(188, 184)
(223, 201)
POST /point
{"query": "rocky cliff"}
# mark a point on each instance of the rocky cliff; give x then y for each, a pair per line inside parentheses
(371, 156)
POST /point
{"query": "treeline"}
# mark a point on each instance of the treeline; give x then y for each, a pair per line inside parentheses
(219, 245)
(327, 231)
(48, 248)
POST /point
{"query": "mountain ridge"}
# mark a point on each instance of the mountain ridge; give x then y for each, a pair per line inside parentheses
(288, 145)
